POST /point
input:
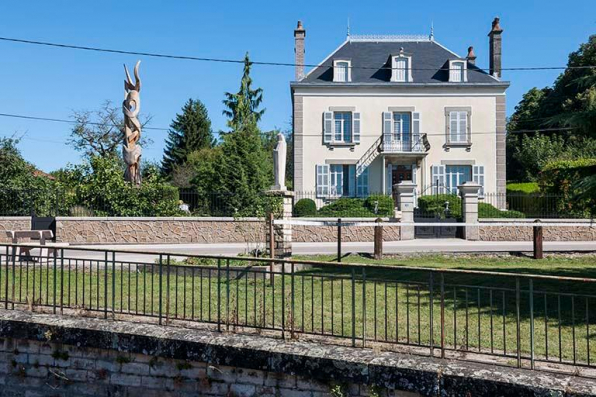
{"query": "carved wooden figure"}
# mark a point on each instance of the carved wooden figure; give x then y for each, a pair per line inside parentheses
(131, 107)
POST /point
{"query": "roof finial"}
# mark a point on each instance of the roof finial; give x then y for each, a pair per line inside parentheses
(432, 31)
(348, 32)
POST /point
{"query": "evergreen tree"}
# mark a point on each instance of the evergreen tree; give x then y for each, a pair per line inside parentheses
(245, 171)
(243, 107)
(189, 131)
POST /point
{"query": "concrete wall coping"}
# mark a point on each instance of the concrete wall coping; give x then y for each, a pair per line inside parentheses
(157, 219)
(530, 220)
(15, 218)
(327, 363)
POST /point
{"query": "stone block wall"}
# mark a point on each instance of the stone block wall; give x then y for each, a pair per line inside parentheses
(302, 233)
(521, 233)
(13, 223)
(159, 230)
(44, 355)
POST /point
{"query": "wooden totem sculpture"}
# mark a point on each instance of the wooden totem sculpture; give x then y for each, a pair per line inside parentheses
(131, 151)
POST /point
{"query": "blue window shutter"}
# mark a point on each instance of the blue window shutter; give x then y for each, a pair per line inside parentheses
(327, 127)
(438, 178)
(389, 180)
(352, 180)
(416, 131)
(356, 126)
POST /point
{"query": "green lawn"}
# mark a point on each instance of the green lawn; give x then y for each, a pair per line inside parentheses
(385, 304)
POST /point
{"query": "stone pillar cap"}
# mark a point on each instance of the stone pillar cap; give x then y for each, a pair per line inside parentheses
(405, 186)
(469, 187)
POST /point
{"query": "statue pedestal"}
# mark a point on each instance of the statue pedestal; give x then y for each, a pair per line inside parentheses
(282, 234)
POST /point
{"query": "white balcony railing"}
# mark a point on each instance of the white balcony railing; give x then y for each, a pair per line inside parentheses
(411, 145)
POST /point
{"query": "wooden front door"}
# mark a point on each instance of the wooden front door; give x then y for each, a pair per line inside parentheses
(401, 173)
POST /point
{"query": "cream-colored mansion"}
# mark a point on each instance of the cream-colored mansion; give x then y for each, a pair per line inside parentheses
(382, 109)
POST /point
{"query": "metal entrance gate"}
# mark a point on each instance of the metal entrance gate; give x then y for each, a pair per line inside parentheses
(435, 204)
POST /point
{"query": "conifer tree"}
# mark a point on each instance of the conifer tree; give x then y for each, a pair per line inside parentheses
(243, 106)
(189, 131)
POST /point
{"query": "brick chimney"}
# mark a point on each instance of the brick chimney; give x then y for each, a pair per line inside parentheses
(299, 35)
(494, 43)
(471, 57)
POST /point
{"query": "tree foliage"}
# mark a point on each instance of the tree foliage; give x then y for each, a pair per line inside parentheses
(189, 131)
(242, 108)
(99, 132)
(567, 109)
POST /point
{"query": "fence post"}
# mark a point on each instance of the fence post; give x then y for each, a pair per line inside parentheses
(271, 246)
(339, 239)
(105, 285)
(531, 292)
(353, 307)
(469, 193)
(517, 321)
(114, 285)
(405, 201)
(363, 307)
(430, 308)
(161, 285)
(219, 295)
(378, 253)
(538, 238)
(442, 315)
(55, 280)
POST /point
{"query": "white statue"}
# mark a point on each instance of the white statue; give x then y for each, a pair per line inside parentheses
(131, 152)
(279, 163)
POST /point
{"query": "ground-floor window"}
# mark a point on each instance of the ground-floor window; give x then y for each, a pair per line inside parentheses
(340, 180)
(446, 178)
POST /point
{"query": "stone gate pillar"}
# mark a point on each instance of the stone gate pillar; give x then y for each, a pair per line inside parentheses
(469, 193)
(405, 191)
(282, 233)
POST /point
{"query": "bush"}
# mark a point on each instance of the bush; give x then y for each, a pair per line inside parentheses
(345, 207)
(305, 207)
(436, 204)
(486, 210)
(384, 205)
(559, 178)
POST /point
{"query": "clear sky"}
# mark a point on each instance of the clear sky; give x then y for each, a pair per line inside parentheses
(49, 82)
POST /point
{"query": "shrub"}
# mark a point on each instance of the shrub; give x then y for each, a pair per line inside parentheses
(486, 210)
(436, 204)
(383, 204)
(346, 207)
(559, 178)
(305, 207)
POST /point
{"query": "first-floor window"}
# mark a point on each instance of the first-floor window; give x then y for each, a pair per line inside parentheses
(458, 127)
(343, 126)
(340, 180)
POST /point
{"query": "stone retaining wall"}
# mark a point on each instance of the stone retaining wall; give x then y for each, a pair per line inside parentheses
(520, 233)
(301, 233)
(13, 223)
(48, 355)
(161, 230)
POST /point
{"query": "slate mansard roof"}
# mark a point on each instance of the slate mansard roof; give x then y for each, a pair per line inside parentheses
(371, 63)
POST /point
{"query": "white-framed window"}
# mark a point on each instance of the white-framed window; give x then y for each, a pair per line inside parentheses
(342, 71)
(459, 126)
(458, 72)
(339, 180)
(401, 69)
(341, 127)
(446, 178)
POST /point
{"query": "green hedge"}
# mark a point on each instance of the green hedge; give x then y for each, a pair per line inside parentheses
(356, 207)
(436, 204)
(527, 187)
(559, 179)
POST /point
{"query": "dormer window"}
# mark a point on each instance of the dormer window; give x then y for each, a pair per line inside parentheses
(401, 68)
(342, 72)
(458, 72)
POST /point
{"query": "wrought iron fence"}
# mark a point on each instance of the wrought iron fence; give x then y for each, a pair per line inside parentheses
(171, 202)
(335, 204)
(519, 319)
(531, 205)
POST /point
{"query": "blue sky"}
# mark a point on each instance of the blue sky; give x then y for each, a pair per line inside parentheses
(47, 82)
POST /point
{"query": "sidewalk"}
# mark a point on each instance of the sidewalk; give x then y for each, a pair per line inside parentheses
(393, 247)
